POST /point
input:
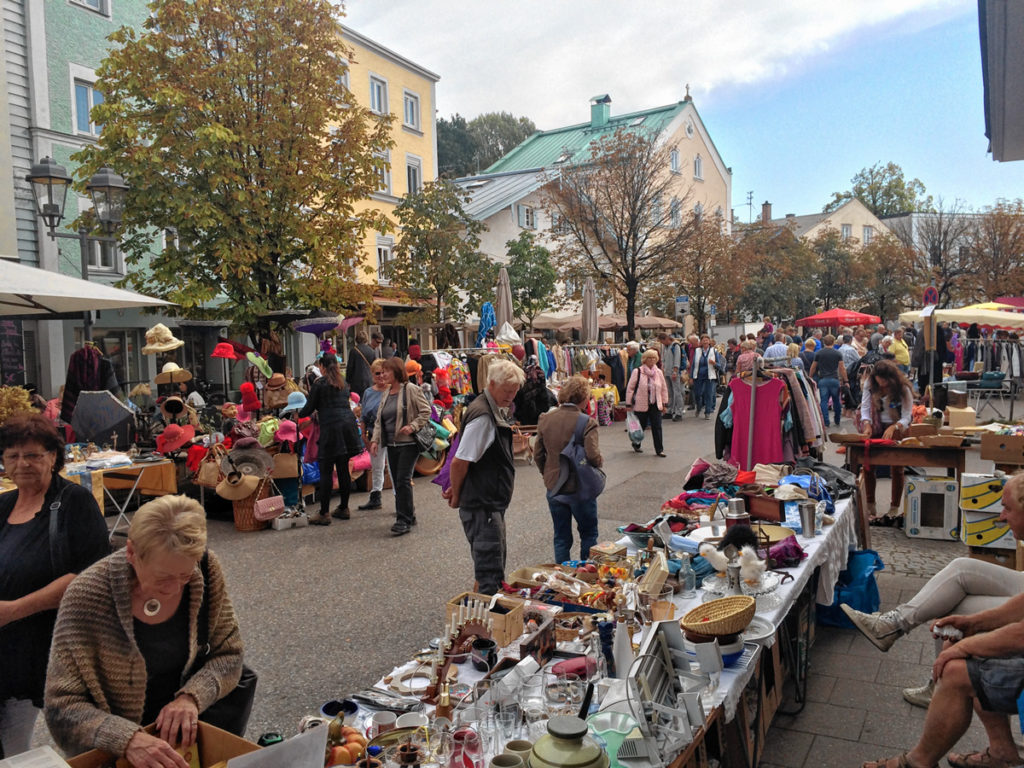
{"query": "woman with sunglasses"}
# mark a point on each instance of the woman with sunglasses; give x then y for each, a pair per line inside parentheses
(41, 550)
(369, 405)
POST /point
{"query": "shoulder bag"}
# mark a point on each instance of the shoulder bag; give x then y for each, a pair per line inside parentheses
(209, 468)
(573, 462)
(270, 507)
(230, 713)
(424, 436)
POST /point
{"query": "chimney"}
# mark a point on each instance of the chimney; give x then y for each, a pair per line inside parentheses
(766, 212)
(600, 110)
(790, 216)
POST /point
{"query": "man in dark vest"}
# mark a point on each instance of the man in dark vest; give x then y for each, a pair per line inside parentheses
(483, 473)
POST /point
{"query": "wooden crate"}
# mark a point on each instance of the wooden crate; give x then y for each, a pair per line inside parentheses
(506, 616)
(1008, 558)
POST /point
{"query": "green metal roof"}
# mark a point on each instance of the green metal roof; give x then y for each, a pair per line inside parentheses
(549, 148)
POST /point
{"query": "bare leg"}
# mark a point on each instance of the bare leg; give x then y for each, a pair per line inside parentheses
(949, 716)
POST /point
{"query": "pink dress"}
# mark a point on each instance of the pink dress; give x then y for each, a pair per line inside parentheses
(767, 428)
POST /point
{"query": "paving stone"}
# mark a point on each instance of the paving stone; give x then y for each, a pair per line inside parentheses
(838, 665)
(786, 748)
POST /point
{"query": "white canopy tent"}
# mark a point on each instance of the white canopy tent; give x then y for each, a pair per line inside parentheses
(1010, 321)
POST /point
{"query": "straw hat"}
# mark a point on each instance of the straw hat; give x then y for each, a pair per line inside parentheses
(172, 407)
(236, 485)
(296, 402)
(260, 363)
(160, 339)
(248, 457)
(172, 373)
(174, 437)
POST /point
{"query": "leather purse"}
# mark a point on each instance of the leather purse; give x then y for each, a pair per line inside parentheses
(268, 508)
(285, 465)
(209, 468)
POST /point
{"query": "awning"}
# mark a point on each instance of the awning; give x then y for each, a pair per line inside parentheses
(31, 291)
(1008, 321)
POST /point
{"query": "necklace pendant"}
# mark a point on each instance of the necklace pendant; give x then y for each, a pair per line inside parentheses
(151, 607)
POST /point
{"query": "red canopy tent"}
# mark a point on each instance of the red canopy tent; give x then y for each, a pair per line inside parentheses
(837, 317)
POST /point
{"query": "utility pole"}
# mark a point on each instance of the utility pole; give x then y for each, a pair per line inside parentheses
(750, 207)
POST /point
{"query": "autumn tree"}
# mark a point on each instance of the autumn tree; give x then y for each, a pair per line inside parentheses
(531, 276)
(619, 215)
(940, 243)
(231, 123)
(436, 258)
(836, 272)
(776, 267)
(997, 252)
(884, 190)
(701, 271)
(887, 275)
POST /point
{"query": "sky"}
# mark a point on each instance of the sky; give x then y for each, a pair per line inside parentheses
(797, 95)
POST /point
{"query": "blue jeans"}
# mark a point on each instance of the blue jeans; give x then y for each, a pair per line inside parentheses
(704, 394)
(562, 515)
(829, 388)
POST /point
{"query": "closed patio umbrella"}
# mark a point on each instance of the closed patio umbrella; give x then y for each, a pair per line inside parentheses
(503, 299)
(588, 321)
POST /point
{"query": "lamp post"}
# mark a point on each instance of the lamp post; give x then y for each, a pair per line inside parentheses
(50, 184)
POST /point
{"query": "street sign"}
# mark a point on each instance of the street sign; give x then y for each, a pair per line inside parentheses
(931, 295)
(714, 310)
(682, 305)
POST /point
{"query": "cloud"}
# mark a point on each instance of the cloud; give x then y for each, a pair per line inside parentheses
(545, 58)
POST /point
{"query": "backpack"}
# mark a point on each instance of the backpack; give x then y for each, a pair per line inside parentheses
(573, 463)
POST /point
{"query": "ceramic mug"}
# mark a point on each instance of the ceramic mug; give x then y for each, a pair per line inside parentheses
(485, 654)
(381, 722)
(520, 747)
(412, 720)
(506, 760)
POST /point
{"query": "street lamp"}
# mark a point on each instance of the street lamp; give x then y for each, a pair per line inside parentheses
(50, 184)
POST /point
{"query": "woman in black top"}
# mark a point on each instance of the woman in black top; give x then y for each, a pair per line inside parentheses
(35, 571)
(339, 436)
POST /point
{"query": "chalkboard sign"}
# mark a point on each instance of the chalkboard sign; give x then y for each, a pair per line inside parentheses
(12, 353)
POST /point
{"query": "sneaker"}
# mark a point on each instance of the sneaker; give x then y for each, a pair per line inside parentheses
(882, 629)
(342, 514)
(707, 416)
(920, 697)
(637, 448)
(400, 529)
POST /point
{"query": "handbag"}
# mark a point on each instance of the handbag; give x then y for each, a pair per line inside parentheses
(268, 508)
(209, 473)
(231, 712)
(285, 465)
(424, 436)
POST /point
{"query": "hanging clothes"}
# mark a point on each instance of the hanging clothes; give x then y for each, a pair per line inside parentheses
(88, 371)
(765, 434)
(618, 377)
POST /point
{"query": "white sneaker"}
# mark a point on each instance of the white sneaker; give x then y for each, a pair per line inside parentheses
(882, 629)
(920, 697)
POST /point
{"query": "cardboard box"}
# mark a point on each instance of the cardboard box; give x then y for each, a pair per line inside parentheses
(922, 430)
(956, 399)
(931, 508)
(1003, 449)
(960, 417)
(981, 492)
(213, 745)
(1004, 557)
(506, 615)
(981, 502)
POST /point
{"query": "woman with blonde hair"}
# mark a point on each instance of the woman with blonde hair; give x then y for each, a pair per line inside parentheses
(125, 648)
(647, 395)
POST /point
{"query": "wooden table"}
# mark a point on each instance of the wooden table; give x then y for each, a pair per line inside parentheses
(154, 478)
(953, 460)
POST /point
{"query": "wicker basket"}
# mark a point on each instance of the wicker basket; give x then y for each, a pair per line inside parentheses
(245, 520)
(725, 616)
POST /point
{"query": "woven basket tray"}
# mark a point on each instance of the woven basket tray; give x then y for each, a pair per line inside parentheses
(245, 520)
(725, 616)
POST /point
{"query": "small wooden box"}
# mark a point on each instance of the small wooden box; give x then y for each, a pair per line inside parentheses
(608, 549)
(956, 398)
(506, 616)
(1003, 449)
(761, 506)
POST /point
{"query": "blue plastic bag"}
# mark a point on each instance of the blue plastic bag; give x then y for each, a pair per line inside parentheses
(856, 588)
(815, 487)
(310, 473)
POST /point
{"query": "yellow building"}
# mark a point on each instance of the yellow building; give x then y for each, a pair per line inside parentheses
(388, 83)
(852, 220)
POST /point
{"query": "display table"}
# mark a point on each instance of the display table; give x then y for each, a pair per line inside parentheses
(151, 478)
(949, 458)
(598, 392)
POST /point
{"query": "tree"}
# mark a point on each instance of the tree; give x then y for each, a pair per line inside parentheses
(940, 243)
(775, 265)
(231, 123)
(887, 278)
(884, 190)
(531, 276)
(437, 257)
(836, 271)
(701, 271)
(618, 215)
(456, 148)
(496, 134)
(997, 252)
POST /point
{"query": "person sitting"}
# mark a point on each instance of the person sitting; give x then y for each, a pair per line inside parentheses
(125, 651)
(32, 581)
(983, 671)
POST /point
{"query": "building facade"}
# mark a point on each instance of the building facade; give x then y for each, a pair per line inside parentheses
(852, 220)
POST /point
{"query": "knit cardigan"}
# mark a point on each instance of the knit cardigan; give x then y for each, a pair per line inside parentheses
(96, 679)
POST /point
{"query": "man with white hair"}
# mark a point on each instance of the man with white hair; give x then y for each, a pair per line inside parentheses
(483, 473)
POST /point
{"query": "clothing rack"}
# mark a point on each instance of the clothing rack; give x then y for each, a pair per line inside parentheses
(458, 350)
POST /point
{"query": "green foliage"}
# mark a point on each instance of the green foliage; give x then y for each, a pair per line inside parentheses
(231, 123)
(456, 148)
(467, 148)
(437, 257)
(776, 267)
(884, 190)
(531, 276)
(836, 274)
(888, 276)
(997, 251)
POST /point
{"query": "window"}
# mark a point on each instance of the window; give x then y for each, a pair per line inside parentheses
(102, 256)
(411, 111)
(171, 239)
(656, 212)
(413, 174)
(378, 95)
(96, 5)
(869, 233)
(527, 217)
(677, 213)
(384, 246)
(846, 232)
(384, 173)
(558, 225)
(344, 76)
(698, 211)
(674, 160)
(86, 97)
(698, 167)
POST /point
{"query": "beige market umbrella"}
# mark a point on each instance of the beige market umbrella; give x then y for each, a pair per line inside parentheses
(503, 299)
(588, 321)
(604, 323)
(654, 322)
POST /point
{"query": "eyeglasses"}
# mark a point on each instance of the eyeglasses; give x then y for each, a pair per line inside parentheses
(13, 458)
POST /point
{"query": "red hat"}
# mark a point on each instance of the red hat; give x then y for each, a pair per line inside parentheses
(249, 400)
(412, 367)
(518, 351)
(225, 351)
(173, 437)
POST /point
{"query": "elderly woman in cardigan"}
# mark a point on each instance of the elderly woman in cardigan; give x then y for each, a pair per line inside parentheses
(125, 650)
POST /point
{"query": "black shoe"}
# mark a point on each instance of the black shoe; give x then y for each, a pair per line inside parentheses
(400, 529)
(342, 514)
(373, 502)
(677, 418)
(637, 448)
(413, 521)
(661, 454)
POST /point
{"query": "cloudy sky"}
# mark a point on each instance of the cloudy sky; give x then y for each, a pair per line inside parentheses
(798, 95)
